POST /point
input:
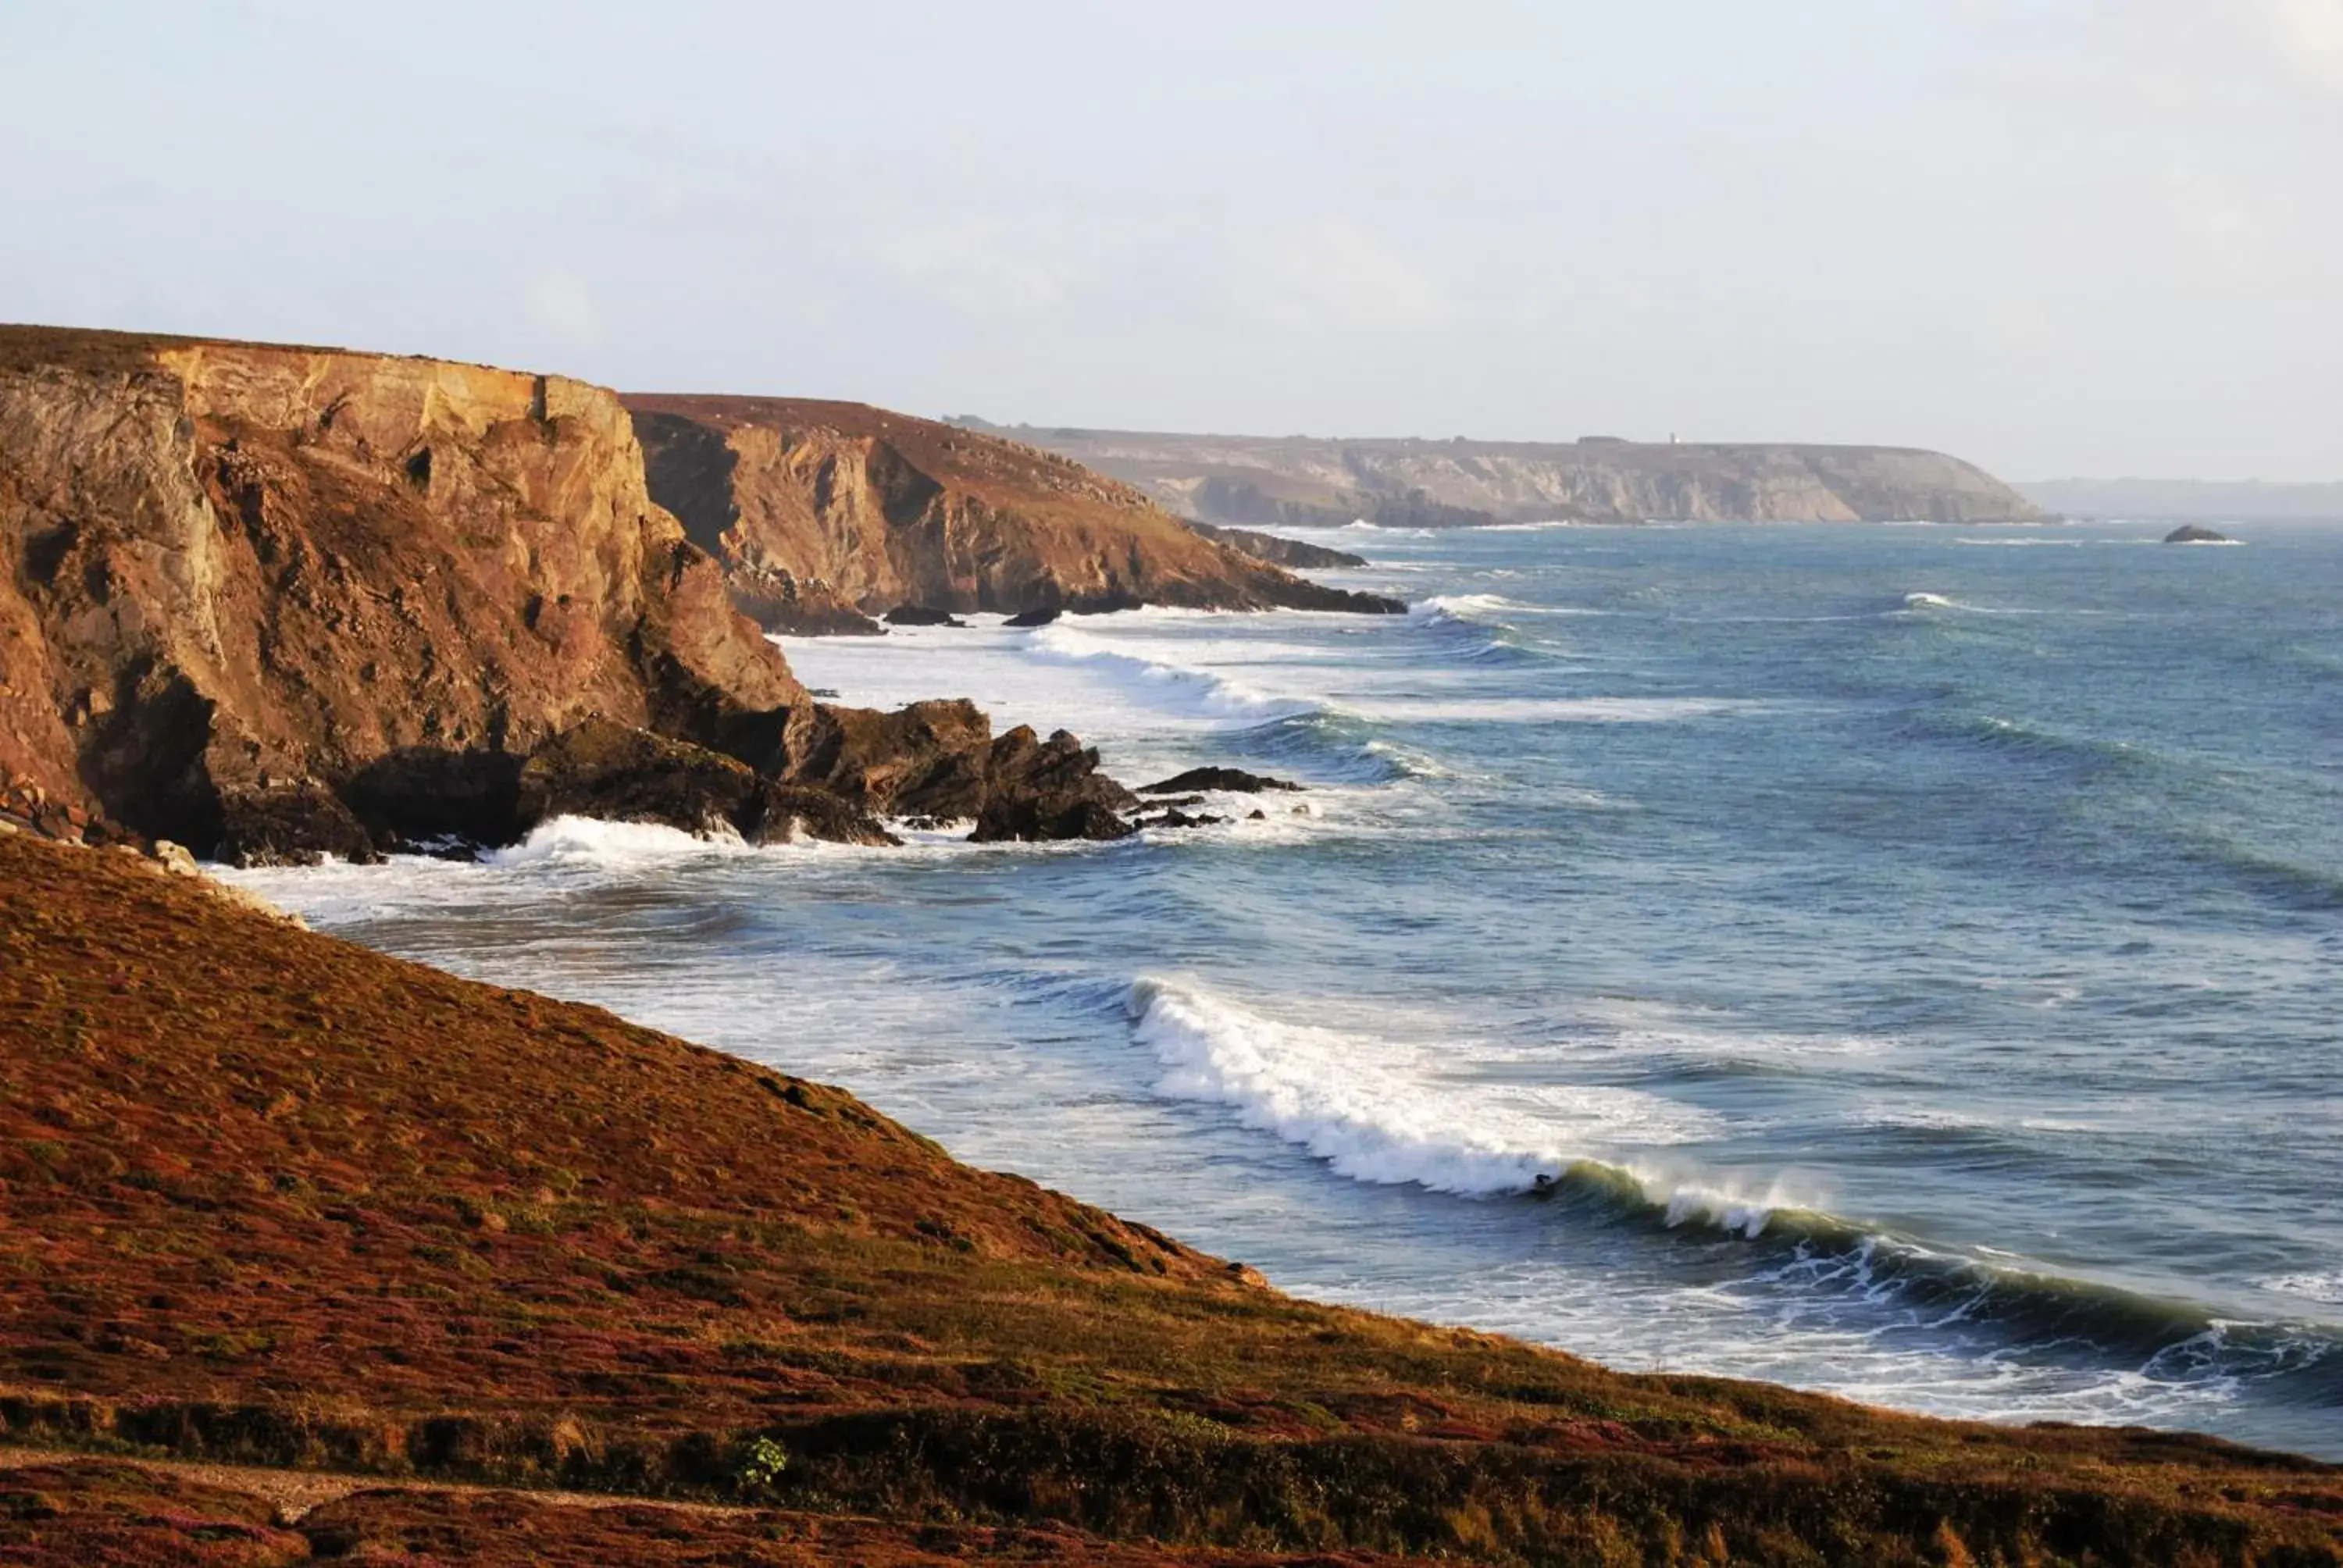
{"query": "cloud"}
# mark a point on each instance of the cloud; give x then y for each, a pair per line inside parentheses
(1331, 272)
(562, 305)
(2309, 37)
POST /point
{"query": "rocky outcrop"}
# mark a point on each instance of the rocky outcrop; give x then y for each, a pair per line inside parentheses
(2191, 534)
(1444, 484)
(1223, 780)
(236, 579)
(826, 504)
(607, 770)
(1275, 548)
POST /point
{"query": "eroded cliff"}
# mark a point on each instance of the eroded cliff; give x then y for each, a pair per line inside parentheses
(820, 509)
(236, 579)
(1305, 481)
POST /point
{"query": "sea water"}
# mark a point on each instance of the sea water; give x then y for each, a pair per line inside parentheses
(1896, 962)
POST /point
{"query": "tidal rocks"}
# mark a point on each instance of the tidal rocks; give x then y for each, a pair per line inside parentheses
(1033, 617)
(616, 773)
(1041, 789)
(1227, 780)
(928, 759)
(921, 615)
(295, 824)
(2190, 533)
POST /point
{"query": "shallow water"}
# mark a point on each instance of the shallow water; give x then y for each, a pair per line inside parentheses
(1907, 957)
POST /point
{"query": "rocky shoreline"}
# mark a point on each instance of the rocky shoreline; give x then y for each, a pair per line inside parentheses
(279, 603)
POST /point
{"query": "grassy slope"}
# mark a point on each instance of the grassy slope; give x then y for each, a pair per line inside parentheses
(272, 1197)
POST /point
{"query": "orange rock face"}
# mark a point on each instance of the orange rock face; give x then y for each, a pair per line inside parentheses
(232, 572)
(814, 506)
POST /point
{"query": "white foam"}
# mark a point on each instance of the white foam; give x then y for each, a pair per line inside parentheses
(610, 846)
(1550, 709)
(2325, 1289)
(1378, 1110)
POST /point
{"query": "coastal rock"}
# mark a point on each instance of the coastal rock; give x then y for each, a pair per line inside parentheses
(876, 510)
(1228, 780)
(787, 814)
(1275, 548)
(618, 773)
(928, 759)
(921, 615)
(227, 566)
(1047, 790)
(1034, 618)
(296, 824)
(2190, 533)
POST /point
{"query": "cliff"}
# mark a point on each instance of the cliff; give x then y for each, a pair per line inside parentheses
(816, 508)
(234, 577)
(1310, 482)
(279, 602)
(270, 1198)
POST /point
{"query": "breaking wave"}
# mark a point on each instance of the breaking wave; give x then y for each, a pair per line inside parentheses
(1356, 1105)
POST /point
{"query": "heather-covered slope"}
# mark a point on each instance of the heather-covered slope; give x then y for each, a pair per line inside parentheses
(820, 508)
(235, 577)
(267, 1196)
(1305, 481)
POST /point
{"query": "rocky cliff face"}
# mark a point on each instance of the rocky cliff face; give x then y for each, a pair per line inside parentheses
(1437, 484)
(237, 580)
(820, 507)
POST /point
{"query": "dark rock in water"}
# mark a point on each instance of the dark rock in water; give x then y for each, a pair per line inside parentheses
(1234, 780)
(290, 825)
(1040, 789)
(610, 770)
(921, 615)
(787, 813)
(928, 759)
(2190, 533)
(1113, 601)
(421, 795)
(1172, 817)
(613, 771)
(1256, 815)
(1034, 617)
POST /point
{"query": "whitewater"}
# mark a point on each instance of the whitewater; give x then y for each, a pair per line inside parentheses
(1851, 958)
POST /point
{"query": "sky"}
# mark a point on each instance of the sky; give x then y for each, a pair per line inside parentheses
(2055, 236)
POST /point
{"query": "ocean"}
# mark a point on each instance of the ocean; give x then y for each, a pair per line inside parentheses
(1899, 961)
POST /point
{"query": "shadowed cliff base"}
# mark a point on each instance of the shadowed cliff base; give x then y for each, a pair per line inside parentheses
(1313, 482)
(272, 1199)
(821, 510)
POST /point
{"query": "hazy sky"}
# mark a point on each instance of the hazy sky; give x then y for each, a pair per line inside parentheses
(2055, 235)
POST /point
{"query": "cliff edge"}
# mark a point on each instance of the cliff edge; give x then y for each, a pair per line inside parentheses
(1326, 483)
(819, 507)
(234, 577)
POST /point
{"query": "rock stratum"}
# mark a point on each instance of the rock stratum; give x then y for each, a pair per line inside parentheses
(1302, 481)
(277, 602)
(825, 514)
(390, 1237)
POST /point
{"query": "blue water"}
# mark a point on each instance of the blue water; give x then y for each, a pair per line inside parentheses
(1900, 962)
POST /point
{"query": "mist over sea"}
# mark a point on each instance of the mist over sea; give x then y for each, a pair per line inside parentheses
(1901, 961)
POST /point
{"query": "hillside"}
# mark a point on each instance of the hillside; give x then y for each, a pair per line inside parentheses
(271, 1198)
(821, 510)
(1326, 483)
